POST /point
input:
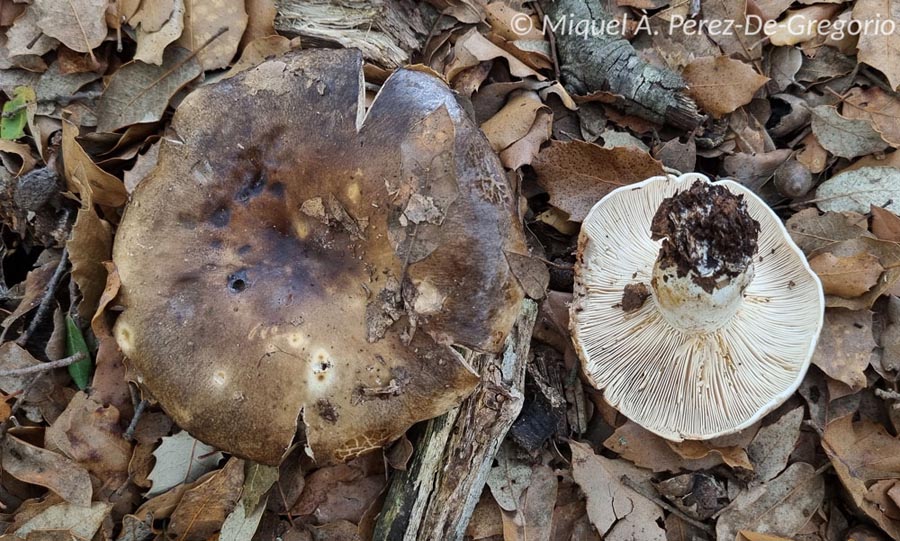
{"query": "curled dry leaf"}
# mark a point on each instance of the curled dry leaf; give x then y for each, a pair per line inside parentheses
(721, 84)
(845, 345)
(879, 49)
(203, 22)
(79, 24)
(845, 137)
(863, 452)
(89, 246)
(781, 507)
(84, 177)
(473, 48)
(617, 511)
(24, 161)
(578, 174)
(139, 92)
(31, 464)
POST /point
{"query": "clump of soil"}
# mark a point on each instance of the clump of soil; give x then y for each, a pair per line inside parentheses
(707, 232)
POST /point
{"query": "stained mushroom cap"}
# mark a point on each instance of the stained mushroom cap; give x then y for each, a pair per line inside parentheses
(294, 255)
(690, 384)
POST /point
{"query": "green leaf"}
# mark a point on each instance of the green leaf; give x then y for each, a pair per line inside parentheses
(15, 113)
(81, 370)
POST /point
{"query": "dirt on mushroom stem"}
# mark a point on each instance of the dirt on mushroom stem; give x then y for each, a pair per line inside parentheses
(707, 232)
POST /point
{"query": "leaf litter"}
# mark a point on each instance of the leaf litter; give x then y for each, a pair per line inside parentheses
(89, 88)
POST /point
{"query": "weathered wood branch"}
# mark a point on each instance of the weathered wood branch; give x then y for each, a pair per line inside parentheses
(435, 497)
(386, 31)
(607, 62)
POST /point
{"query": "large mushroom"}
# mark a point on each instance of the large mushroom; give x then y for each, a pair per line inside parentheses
(296, 257)
(694, 311)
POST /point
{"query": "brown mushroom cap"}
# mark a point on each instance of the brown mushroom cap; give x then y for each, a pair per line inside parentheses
(293, 254)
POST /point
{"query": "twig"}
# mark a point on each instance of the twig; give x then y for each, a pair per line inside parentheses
(132, 426)
(660, 502)
(43, 367)
(551, 38)
(44, 306)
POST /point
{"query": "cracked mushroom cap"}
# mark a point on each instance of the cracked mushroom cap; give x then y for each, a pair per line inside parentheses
(294, 257)
(701, 370)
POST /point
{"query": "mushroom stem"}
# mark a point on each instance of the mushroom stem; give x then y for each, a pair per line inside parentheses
(706, 259)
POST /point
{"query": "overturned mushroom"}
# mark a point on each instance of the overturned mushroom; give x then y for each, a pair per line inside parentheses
(294, 255)
(733, 312)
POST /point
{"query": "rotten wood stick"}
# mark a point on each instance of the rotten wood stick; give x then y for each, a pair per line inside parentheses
(608, 62)
(434, 498)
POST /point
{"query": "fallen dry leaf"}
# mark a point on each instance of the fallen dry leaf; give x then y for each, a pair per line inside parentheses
(842, 136)
(879, 108)
(859, 189)
(647, 450)
(848, 275)
(617, 511)
(721, 84)
(79, 24)
(203, 508)
(879, 49)
(845, 345)
(154, 33)
(514, 120)
(260, 20)
(140, 92)
(89, 433)
(799, 25)
(82, 522)
(203, 21)
(863, 452)
(813, 231)
(258, 51)
(523, 151)
(31, 464)
(885, 224)
(180, 459)
(577, 174)
(24, 37)
(507, 22)
(342, 491)
(813, 156)
(770, 449)
(781, 507)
